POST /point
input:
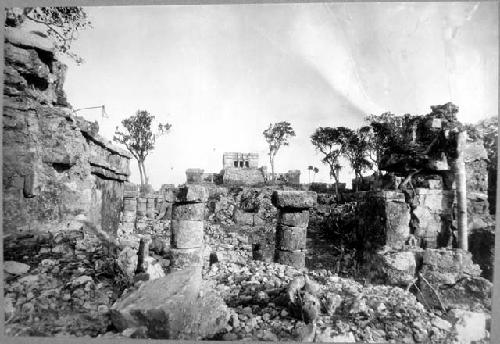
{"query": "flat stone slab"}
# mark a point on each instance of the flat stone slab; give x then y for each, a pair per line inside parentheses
(294, 199)
(177, 306)
(189, 211)
(192, 194)
(294, 219)
(187, 234)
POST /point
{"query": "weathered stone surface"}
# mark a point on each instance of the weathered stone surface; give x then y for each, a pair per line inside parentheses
(28, 39)
(187, 233)
(448, 266)
(150, 207)
(383, 219)
(294, 199)
(297, 259)
(194, 175)
(186, 257)
(448, 278)
(243, 218)
(294, 219)
(242, 176)
(189, 211)
(290, 238)
(394, 268)
(15, 268)
(192, 194)
(177, 306)
(469, 326)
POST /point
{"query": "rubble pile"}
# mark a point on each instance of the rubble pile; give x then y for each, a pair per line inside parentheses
(261, 309)
(62, 284)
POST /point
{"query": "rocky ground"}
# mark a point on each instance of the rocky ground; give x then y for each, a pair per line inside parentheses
(57, 292)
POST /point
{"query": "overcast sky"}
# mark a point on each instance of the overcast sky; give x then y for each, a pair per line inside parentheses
(221, 73)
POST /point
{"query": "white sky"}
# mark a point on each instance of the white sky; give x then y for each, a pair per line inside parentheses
(221, 73)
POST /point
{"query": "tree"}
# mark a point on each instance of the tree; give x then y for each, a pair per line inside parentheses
(277, 135)
(386, 135)
(357, 147)
(331, 142)
(139, 139)
(62, 24)
(315, 170)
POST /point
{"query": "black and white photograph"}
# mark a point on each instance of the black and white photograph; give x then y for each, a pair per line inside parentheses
(283, 171)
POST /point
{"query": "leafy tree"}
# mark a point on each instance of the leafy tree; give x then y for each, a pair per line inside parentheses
(62, 24)
(277, 135)
(386, 135)
(357, 147)
(315, 171)
(139, 139)
(331, 142)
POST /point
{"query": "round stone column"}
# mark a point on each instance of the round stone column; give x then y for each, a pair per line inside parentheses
(293, 219)
(188, 212)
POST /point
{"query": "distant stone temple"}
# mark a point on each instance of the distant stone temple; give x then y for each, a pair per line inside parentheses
(241, 160)
(241, 169)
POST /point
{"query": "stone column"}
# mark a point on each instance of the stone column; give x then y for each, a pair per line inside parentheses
(187, 225)
(150, 206)
(141, 206)
(293, 219)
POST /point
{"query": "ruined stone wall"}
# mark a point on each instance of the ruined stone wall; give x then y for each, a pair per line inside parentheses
(57, 170)
(246, 176)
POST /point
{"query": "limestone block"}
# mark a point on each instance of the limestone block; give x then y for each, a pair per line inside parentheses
(177, 306)
(192, 194)
(150, 207)
(141, 206)
(189, 211)
(294, 219)
(28, 39)
(397, 222)
(187, 233)
(448, 266)
(242, 176)
(129, 217)
(297, 259)
(129, 204)
(290, 238)
(469, 326)
(186, 257)
(294, 199)
(399, 268)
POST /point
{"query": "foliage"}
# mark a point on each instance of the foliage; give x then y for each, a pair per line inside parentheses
(138, 137)
(386, 135)
(277, 135)
(62, 24)
(329, 142)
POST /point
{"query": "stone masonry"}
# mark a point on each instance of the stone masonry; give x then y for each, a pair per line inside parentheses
(293, 219)
(187, 225)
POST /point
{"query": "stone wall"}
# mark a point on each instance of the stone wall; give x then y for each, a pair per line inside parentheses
(57, 170)
(237, 176)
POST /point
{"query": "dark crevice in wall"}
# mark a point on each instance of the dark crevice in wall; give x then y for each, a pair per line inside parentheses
(35, 81)
(103, 177)
(46, 57)
(61, 167)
